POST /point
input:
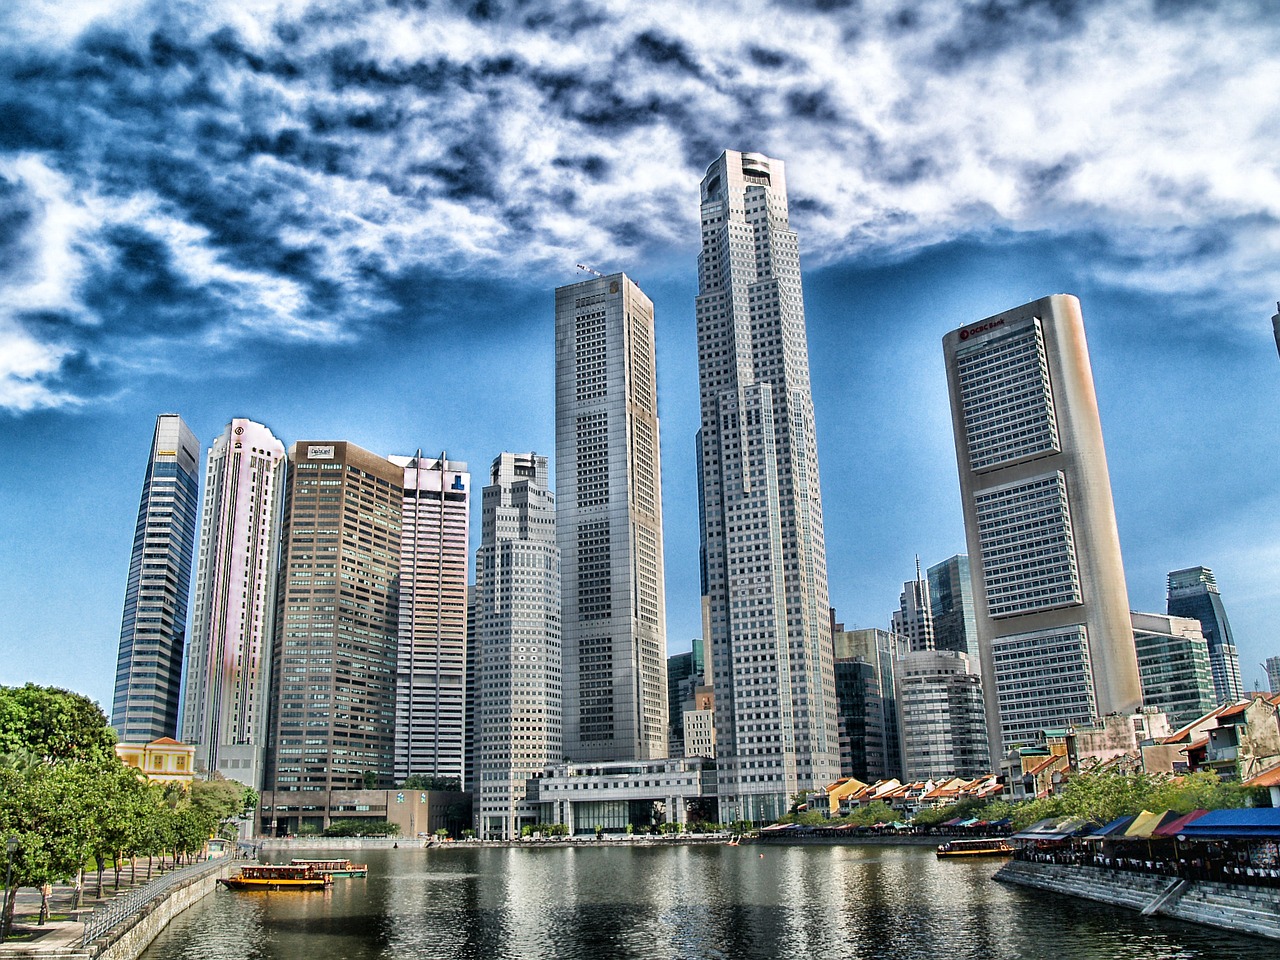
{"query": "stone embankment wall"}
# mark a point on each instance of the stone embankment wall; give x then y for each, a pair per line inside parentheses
(127, 941)
(1239, 908)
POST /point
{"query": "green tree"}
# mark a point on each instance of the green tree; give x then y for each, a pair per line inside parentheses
(419, 781)
(53, 724)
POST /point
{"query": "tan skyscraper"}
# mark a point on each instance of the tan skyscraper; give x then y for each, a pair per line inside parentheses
(334, 656)
(1050, 600)
(609, 523)
(224, 700)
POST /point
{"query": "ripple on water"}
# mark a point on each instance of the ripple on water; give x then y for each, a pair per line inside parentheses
(714, 902)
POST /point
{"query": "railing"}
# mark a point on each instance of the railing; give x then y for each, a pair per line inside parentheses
(116, 911)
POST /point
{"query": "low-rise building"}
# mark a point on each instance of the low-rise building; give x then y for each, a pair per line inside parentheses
(163, 761)
(613, 797)
(1238, 740)
(418, 813)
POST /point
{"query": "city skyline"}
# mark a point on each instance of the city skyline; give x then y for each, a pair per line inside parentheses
(929, 192)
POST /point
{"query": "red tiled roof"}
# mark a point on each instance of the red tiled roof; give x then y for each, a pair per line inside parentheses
(1268, 778)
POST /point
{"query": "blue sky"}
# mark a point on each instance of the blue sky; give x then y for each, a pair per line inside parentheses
(346, 218)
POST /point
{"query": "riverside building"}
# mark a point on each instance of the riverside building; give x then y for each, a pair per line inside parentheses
(1193, 592)
(609, 523)
(153, 627)
(517, 643)
(332, 717)
(224, 701)
(431, 651)
(1050, 600)
(763, 548)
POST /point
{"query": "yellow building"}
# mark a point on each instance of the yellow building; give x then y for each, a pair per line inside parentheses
(163, 761)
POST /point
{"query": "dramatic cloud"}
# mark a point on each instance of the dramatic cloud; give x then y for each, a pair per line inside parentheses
(216, 172)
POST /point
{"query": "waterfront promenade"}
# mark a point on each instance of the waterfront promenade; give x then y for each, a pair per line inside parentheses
(97, 925)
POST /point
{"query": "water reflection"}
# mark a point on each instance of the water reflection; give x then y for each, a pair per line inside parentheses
(862, 903)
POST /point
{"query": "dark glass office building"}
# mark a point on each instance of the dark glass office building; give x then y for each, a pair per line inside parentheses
(154, 626)
(1193, 593)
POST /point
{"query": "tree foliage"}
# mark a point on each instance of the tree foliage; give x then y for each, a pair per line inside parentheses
(53, 724)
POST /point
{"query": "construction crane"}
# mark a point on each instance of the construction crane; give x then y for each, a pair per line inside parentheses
(591, 270)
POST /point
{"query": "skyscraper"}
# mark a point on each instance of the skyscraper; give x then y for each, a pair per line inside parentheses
(951, 602)
(1193, 593)
(224, 700)
(1173, 663)
(914, 617)
(941, 718)
(154, 625)
(761, 505)
(866, 668)
(431, 655)
(1050, 602)
(1273, 669)
(517, 639)
(332, 704)
(609, 523)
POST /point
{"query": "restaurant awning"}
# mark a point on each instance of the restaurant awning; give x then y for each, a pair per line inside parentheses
(1146, 822)
(1054, 828)
(1113, 829)
(1257, 823)
(1174, 827)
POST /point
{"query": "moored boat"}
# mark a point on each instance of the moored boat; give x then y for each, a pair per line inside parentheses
(335, 868)
(976, 847)
(277, 876)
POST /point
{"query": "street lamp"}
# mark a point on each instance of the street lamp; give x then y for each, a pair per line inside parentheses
(10, 848)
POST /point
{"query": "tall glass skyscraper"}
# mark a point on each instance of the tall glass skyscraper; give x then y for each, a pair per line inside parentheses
(224, 700)
(609, 523)
(1050, 600)
(763, 546)
(153, 628)
(951, 600)
(517, 643)
(1193, 593)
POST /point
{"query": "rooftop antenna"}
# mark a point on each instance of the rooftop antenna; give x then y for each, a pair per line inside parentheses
(591, 270)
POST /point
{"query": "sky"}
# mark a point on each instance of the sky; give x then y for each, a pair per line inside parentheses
(346, 219)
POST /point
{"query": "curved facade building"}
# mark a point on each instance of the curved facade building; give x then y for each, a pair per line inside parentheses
(229, 655)
(1049, 594)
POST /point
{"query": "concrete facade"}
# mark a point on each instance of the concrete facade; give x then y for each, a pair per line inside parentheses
(517, 643)
(609, 523)
(332, 710)
(228, 661)
(763, 543)
(431, 618)
(612, 796)
(1050, 600)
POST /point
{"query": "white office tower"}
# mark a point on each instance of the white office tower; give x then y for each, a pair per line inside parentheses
(1049, 596)
(763, 546)
(224, 701)
(431, 656)
(609, 523)
(516, 643)
(914, 617)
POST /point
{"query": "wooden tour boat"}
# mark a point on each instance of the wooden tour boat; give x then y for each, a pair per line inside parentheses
(335, 868)
(977, 847)
(278, 876)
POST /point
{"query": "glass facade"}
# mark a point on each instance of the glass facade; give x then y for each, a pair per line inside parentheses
(153, 628)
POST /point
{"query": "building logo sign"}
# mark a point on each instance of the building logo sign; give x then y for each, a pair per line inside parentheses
(968, 332)
(315, 452)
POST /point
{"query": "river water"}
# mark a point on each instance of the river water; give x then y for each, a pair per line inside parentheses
(715, 901)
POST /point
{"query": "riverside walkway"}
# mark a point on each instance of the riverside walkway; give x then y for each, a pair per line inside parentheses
(85, 931)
